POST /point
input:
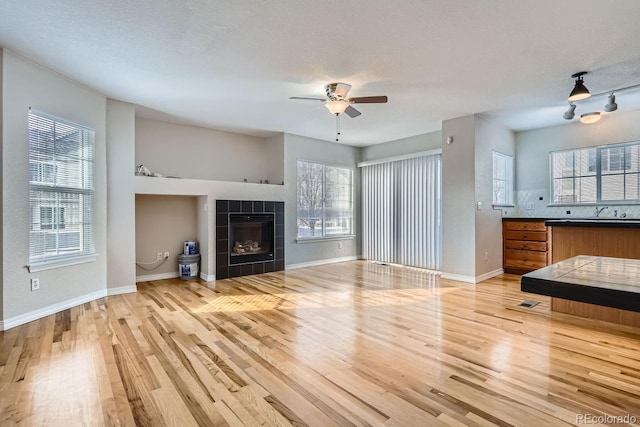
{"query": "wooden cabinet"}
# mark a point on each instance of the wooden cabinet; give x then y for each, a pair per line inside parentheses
(525, 246)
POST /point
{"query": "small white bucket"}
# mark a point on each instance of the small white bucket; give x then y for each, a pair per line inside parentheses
(188, 266)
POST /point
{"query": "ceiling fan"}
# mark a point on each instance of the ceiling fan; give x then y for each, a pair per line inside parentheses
(338, 103)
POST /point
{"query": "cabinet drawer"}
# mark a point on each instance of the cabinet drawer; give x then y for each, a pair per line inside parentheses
(532, 256)
(526, 245)
(525, 225)
(524, 265)
(538, 236)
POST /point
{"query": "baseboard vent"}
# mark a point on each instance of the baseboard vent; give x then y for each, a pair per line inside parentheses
(528, 304)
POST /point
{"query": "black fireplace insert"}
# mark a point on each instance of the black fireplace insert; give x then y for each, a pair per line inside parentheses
(251, 237)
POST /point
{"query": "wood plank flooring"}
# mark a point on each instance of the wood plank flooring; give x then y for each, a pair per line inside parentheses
(350, 344)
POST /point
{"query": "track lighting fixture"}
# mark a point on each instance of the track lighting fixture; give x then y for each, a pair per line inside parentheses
(611, 104)
(580, 93)
(579, 90)
(589, 118)
(568, 115)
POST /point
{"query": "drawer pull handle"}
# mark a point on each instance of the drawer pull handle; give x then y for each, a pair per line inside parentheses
(524, 235)
(525, 258)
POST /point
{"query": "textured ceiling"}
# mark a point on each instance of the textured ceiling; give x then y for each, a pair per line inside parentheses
(233, 65)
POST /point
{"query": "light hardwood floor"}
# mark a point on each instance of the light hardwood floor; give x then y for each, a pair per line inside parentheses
(344, 344)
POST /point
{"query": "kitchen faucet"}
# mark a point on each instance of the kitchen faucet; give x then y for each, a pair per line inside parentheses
(598, 210)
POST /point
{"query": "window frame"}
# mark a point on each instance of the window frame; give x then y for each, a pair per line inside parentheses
(324, 236)
(508, 181)
(597, 159)
(65, 201)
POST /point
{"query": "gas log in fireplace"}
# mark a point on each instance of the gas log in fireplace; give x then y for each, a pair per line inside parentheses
(249, 237)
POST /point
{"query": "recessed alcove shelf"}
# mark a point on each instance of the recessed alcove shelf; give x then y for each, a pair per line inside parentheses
(207, 192)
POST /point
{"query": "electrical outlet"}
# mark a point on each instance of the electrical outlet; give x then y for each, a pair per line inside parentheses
(35, 284)
(486, 256)
(158, 256)
(339, 245)
(166, 255)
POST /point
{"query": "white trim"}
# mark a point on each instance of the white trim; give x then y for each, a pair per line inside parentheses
(489, 275)
(458, 277)
(322, 262)
(160, 276)
(122, 290)
(65, 262)
(21, 319)
(472, 279)
(401, 157)
(207, 277)
(325, 238)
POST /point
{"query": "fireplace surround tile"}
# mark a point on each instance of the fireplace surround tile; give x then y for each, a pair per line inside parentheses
(223, 208)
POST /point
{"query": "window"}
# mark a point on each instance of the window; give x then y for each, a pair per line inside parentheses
(325, 200)
(596, 174)
(502, 179)
(61, 192)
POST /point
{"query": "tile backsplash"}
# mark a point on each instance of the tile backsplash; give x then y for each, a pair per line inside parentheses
(528, 204)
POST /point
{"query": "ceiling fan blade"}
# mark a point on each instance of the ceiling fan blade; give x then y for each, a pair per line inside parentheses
(341, 90)
(312, 99)
(368, 100)
(352, 112)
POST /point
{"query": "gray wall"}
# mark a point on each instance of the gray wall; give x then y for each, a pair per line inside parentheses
(199, 153)
(414, 144)
(299, 147)
(458, 197)
(533, 147)
(163, 224)
(121, 269)
(2, 266)
(25, 85)
(490, 136)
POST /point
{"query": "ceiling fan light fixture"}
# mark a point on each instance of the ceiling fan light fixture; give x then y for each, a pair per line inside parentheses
(589, 118)
(611, 104)
(337, 106)
(579, 91)
(570, 113)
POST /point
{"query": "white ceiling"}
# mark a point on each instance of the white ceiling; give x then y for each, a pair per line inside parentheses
(232, 65)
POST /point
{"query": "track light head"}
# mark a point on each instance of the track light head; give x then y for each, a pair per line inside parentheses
(579, 90)
(611, 104)
(570, 113)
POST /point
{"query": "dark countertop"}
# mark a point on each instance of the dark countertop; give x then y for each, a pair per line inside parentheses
(594, 222)
(523, 218)
(610, 282)
(582, 222)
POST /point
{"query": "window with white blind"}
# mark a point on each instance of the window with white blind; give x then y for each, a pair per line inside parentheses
(61, 192)
(607, 174)
(502, 179)
(324, 200)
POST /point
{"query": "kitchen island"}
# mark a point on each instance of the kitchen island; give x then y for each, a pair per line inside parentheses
(596, 287)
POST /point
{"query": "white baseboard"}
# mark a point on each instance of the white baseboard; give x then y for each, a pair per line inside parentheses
(458, 277)
(21, 319)
(122, 290)
(161, 276)
(472, 279)
(207, 277)
(321, 262)
(489, 275)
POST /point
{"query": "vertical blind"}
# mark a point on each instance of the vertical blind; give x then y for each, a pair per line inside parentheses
(61, 190)
(402, 205)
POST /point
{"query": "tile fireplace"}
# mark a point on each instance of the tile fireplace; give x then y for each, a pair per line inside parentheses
(249, 237)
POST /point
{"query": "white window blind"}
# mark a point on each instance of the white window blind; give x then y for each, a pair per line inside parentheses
(324, 200)
(401, 212)
(502, 179)
(61, 190)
